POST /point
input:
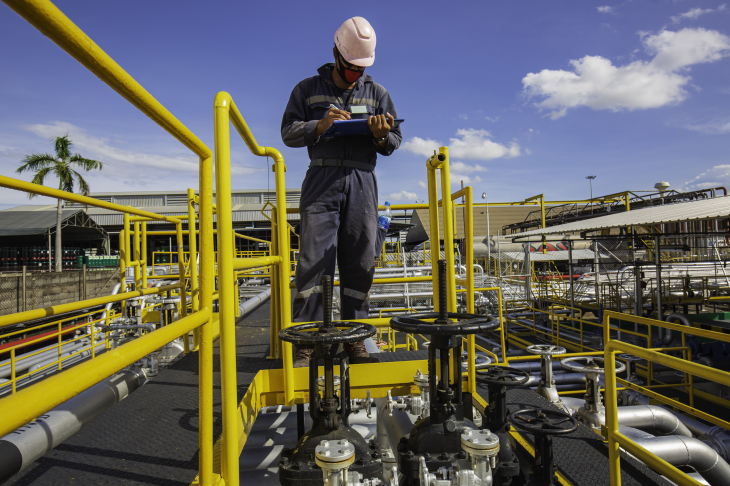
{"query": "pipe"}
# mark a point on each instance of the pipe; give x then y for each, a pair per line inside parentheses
(668, 335)
(108, 307)
(633, 433)
(250, 304)
(46, 357)
(560, 379)
(391, 428)
(125, 327)
(654, 418)
(686, 451)
(29, 443)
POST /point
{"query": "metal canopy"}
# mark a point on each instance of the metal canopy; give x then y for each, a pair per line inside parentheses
(551, 256)
(718, 207)
(17, 223)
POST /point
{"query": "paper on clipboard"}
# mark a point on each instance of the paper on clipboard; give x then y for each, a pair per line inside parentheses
(344, 128)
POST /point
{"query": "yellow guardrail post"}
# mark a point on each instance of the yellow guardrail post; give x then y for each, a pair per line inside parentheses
(205, 353)
(229, 454)
(137, 259)
(274, 279)
(144, 255)
(609, 365)
(181, 274)
(433, 214)
(193, 262)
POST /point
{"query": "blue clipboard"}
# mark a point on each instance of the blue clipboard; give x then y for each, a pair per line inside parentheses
(345, 128)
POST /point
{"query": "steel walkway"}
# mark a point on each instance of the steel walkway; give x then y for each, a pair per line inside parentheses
(151, 437)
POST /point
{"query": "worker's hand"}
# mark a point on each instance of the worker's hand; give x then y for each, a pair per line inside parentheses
(333, 114)
(380, 125)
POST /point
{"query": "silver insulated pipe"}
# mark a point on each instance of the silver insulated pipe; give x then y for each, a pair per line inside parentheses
(686, 451)
(29, 443)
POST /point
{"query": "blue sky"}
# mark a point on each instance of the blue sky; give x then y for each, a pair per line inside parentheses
(531, 96)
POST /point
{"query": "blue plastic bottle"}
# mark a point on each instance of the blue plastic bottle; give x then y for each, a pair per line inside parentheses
(384, 217)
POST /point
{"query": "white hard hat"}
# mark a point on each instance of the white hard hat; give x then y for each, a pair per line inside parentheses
(355, 39)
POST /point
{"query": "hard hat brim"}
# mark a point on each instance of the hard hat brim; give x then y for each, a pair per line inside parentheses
(362, 62)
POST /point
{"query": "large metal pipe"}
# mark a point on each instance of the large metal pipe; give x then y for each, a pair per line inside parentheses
(655, 419)
(392, 427)
(250, 304)
(29, 443)
(668, 335)
(687, 451)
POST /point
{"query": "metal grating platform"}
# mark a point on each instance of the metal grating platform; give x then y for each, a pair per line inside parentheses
(151, 437)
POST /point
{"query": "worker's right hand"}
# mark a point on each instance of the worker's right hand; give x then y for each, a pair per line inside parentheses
(333, 114)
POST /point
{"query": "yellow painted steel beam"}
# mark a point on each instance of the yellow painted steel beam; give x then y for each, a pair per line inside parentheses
(33, 401)
(19, 185)
(383, 281)
(247, 263)
(206, 290)
(48, 19)
(251, 238)
(30, 315)
(226, 290)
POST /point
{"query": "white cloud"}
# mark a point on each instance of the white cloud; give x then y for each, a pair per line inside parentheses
(470, 144)
(712, 127)
(605, 9)
(722, 7)
(717, 176)
(475, 144)
(421, 146)
(422, 184)
(457, 179)
(402, 195)
(464, 117)
(693, 14)
(494, 119)
(120, 160)
(463, 168)
(595, 82)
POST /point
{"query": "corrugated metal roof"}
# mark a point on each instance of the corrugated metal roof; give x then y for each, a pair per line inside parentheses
(18, 223)
(107, 217)
(551, 256)
(499, 216)
(718, 207)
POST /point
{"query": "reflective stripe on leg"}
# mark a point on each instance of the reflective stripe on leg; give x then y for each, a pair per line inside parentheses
(355, 294)
(317, 289)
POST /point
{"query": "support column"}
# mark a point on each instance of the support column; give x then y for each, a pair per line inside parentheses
(658, 263)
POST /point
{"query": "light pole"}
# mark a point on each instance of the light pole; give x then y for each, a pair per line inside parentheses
(590, 178)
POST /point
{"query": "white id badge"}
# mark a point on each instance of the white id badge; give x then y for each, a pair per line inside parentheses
(359, 110)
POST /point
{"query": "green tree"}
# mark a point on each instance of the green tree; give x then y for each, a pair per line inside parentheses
(62, 166)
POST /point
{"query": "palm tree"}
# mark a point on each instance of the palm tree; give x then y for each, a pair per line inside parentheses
(62, 166)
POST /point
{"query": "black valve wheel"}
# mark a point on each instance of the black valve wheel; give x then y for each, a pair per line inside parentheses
(502, 376)
(541, 421)
(446, 324)
(314, 333)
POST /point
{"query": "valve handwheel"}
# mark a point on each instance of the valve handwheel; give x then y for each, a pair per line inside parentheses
(544, 424)
(444, 323)
(543, 421)
(545, 349)
(314, 333)
(457, 323)
(589, 364)
(502, 376)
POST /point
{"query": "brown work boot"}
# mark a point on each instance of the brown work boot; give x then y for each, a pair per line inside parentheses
(301, 356)
(358, 353)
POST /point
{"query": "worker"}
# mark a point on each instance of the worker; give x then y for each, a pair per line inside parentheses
(339, 199)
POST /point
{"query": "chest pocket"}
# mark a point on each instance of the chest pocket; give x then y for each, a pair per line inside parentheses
(318, 110)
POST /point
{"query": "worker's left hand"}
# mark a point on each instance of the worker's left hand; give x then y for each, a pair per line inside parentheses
(380, 125)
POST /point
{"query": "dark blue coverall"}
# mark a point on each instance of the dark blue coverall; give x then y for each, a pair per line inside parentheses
(339, 202)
